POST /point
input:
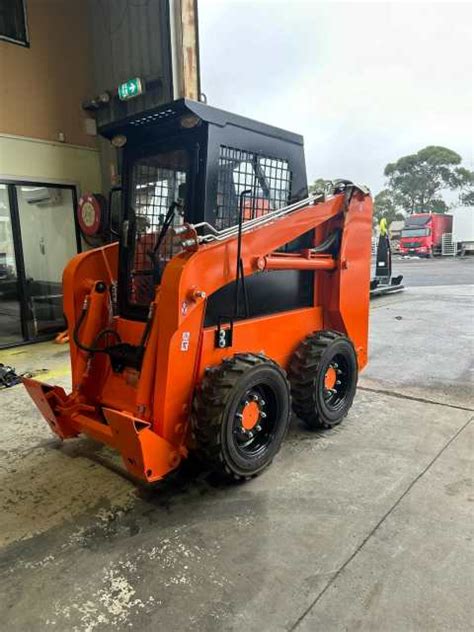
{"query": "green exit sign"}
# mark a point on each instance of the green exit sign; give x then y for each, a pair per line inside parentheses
(129, 89)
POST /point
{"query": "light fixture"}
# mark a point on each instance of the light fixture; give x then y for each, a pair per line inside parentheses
(119, 141)
(188, 121)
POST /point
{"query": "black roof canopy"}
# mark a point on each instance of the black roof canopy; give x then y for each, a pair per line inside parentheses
(168, 116)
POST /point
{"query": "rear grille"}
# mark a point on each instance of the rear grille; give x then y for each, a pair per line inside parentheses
(269, 180)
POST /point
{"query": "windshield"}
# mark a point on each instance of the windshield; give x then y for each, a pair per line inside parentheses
(418, 220)
(157, 198)
(415, 232)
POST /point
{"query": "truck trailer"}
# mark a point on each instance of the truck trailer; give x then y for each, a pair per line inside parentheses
(423, 232)
(463, 229)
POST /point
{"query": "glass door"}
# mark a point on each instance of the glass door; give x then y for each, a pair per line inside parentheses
(10, 307)
(49, 241)
(38, 236)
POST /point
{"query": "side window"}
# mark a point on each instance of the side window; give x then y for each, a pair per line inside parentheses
(13, 21)
(158, 181)
(269, 179)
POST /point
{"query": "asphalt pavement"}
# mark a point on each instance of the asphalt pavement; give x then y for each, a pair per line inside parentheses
(419, 272)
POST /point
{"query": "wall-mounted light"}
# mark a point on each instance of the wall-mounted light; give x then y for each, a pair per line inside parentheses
(119, 141)
(188, 121)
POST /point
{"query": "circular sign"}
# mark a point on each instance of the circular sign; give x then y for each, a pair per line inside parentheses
(89, 214)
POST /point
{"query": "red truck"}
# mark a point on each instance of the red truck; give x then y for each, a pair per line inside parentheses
(423, 232)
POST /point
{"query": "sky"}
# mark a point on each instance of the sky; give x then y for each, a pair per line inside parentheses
(364, 83)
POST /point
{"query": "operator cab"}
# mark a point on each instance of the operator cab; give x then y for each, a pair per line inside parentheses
(189, 162)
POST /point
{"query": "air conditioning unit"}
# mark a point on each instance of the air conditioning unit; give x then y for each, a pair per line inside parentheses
(41, 195)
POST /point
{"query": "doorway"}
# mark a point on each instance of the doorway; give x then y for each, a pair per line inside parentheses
(38, 236)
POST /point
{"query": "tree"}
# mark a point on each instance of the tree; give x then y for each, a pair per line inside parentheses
(319, 185)
(466, 187)
(386, 205)
(416, 181)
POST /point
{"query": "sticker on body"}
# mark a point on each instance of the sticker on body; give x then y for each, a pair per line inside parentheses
(185, 338)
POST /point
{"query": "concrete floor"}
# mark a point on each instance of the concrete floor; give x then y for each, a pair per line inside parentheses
(366, 527)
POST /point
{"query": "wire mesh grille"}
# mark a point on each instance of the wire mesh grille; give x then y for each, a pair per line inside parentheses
(268, 178)
(158, 182)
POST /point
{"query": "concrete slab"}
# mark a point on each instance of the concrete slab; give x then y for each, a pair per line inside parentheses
(193, 556)
(421, 344)
(415, 572)
(373, 512)
(48, 361)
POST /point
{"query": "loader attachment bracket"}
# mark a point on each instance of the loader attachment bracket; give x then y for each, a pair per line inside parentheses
(145, 454)
(48, 398)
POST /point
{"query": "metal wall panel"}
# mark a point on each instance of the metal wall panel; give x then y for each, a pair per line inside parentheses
(130, 38)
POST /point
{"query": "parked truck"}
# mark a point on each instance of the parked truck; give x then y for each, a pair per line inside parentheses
(463, 229)
(423, 232)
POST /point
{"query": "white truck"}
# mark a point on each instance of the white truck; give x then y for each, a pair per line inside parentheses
(463, 229)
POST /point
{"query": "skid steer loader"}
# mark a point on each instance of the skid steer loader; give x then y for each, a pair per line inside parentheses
(230, 298)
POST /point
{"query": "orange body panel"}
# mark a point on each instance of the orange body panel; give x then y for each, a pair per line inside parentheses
(145, 414)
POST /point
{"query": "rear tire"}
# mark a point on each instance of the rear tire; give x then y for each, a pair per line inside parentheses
(323, 377)
(241, 413)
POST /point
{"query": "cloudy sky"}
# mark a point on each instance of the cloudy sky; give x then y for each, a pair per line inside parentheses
(365, 83)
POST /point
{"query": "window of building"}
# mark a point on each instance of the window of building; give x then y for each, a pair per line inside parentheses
(13, 21)
(269, 180)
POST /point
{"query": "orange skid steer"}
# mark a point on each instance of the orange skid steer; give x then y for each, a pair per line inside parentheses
(231, 298)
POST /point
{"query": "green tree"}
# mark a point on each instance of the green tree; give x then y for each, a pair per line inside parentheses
(386, 205)
(319, 185)
(417, 180)
(466, 187)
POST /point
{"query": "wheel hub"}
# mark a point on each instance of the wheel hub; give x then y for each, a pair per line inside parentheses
(334, 384)
(330, 378)
(250, 415)
(250, 419)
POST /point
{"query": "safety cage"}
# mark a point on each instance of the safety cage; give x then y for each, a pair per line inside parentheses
(189, 162)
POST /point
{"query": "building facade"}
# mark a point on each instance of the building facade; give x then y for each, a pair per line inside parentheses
(57, 57)
(47, 157)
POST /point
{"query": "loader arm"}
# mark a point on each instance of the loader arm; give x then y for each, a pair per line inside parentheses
(192, 277)
(145, 413)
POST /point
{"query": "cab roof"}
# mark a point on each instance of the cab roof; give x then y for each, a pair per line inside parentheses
(170, 114)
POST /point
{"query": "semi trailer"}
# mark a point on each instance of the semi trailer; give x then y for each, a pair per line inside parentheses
(463, 229)
(423, 233)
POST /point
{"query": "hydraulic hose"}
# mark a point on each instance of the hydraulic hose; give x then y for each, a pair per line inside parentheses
(93, 348)
(330, 241)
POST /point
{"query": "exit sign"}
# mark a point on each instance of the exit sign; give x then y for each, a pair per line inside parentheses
(129, 89)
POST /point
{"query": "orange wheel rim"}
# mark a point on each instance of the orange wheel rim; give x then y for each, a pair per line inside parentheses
(330, 378)
(250, 415)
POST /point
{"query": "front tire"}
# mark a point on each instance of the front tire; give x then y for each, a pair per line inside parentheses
(323, 376)
(241, 413)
